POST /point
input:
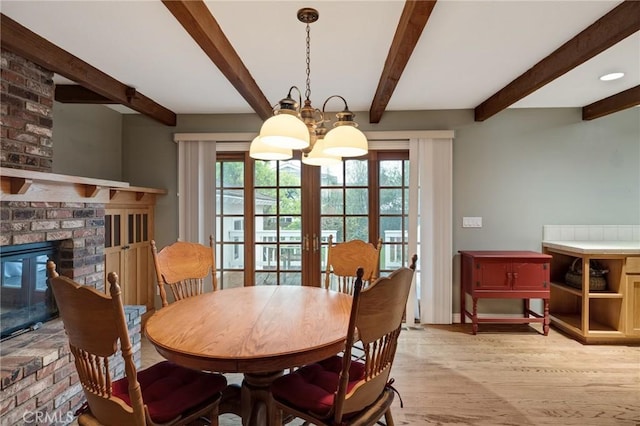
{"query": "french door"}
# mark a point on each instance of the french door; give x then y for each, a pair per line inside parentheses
(274, 218)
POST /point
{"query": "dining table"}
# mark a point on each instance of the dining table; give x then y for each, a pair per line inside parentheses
(259, 331)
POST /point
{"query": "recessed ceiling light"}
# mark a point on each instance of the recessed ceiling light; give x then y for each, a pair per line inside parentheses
(612, 76)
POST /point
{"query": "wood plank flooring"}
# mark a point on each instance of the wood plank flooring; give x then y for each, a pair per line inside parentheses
(504, 375)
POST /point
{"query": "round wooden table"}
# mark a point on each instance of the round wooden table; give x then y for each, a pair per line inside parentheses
(258, 331)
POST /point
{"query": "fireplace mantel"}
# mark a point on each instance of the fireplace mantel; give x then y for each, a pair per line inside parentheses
(28, 185)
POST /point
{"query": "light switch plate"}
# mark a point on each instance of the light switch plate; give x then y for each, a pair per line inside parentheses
(472, 222)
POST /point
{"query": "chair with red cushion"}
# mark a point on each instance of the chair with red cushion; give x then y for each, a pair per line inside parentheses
(342, 391)
(164, 393)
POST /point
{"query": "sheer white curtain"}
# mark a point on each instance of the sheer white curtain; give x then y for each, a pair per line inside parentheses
(196, 190)
(430, 228)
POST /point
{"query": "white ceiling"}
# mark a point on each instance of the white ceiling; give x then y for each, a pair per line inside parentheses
(467, 52)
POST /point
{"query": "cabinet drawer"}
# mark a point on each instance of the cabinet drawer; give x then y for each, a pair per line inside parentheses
(633, 265)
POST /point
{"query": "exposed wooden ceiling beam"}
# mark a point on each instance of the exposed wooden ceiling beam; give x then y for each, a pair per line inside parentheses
(613, 27)
(76, 94)
(22, 41)
(618, 102)
(195, 17)
(412, 21)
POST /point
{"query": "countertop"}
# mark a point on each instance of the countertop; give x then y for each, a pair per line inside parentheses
(596, 247)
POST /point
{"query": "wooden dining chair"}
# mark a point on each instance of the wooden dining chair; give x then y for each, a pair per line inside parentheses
(183, 268)
(339, 390)
(343, 259)
(164, 393)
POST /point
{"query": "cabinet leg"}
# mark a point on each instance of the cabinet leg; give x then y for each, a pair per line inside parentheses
(474, 318)
(545, 322)
(526, 307)
(463, 307)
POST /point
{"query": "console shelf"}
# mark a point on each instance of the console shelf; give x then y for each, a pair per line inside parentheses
(609, 316)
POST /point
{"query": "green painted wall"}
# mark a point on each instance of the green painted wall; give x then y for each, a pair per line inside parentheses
(519, 170)
(87, 141)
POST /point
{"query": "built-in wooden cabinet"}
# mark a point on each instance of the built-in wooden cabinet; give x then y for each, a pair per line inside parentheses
(633, 296)
(129, 225)
(611, 315)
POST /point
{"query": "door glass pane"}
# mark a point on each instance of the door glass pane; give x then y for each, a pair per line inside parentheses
(356, 172)
(344, 198)
(331, 201)
(390, 172)
(357, 228)
(290, 257)
(107, 230)
(116, 230)
(145, 227)
(278, 221)
(265, 200)
(232, 279)
(232, 201)
(289, 201)
(331, 175)
(357, 201)
(289, 278)
(131, 225)
(331, 225)
(394, 213)
(138, 228)
(230, 223)
(391, 201)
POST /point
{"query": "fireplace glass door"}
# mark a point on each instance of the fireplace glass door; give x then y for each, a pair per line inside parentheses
(26, 300)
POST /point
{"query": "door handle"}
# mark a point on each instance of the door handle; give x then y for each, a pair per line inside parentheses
(306, 242)
(315, 243)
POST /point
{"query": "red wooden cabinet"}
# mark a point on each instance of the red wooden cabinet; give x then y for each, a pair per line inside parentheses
(505, 275)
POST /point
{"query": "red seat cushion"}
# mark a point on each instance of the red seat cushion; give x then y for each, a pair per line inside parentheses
(168, 390)
(312, 387)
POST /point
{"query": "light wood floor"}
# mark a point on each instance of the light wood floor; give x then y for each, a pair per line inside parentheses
(505, 375)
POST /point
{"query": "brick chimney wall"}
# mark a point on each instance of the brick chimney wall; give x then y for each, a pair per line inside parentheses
(27, 128)
(38, 380)
(27, 119)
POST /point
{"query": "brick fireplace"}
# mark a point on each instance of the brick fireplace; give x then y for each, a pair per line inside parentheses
(39, 384)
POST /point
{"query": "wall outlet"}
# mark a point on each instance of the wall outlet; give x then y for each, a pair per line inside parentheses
(472, 222)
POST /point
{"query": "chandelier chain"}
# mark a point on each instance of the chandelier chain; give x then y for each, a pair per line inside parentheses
(307, 92)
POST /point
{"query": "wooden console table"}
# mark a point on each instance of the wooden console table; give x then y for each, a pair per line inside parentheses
(505, 275)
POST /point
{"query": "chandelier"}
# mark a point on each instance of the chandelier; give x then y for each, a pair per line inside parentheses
(293, 127)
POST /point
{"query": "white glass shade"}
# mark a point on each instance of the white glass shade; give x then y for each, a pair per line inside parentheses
(261, 151)
(345, 141)
(317, 156)
(285, 131)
